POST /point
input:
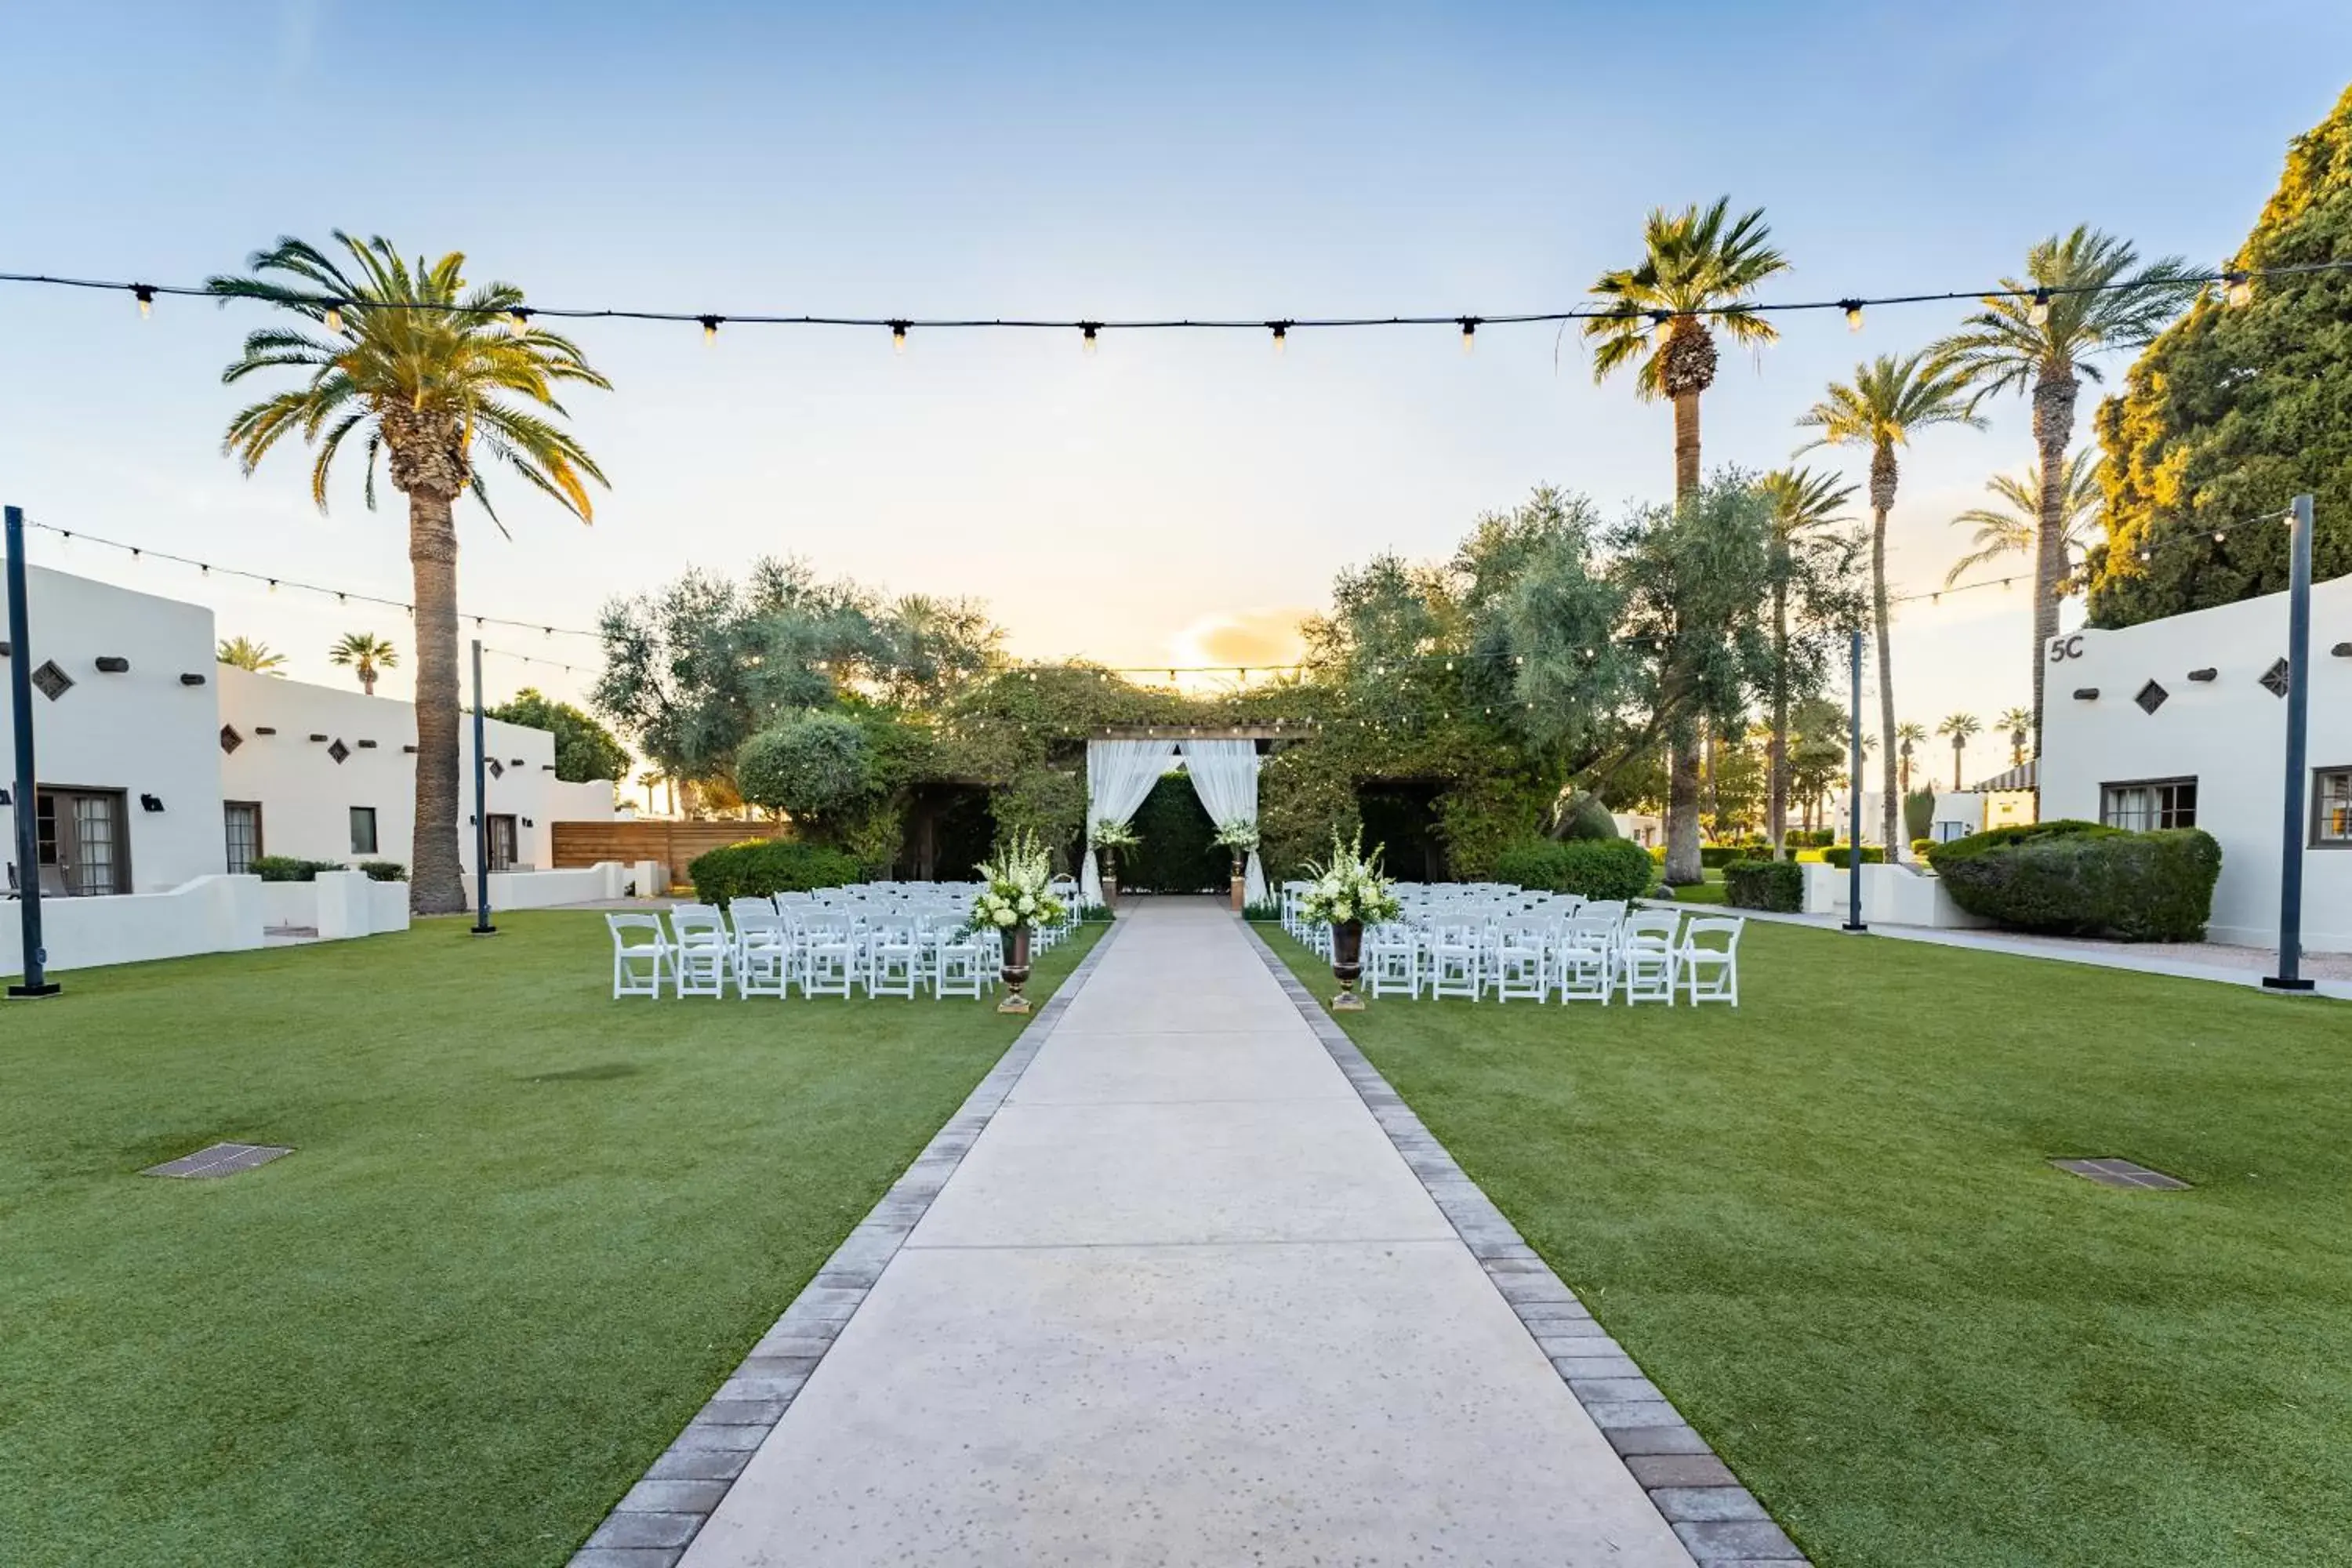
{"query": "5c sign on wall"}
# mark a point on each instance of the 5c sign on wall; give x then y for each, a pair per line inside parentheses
(2063, 648)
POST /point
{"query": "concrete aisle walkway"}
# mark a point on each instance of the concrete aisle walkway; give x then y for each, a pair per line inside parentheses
(1184, 1302)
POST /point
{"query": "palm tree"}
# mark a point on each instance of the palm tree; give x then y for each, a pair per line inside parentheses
(1804, 505)
(1696, 266)
(1905, 737)
(246, 654)
(2010, 528)
(367, 653)
(2019, 724)
(413, 361)
(2083, 294)
(1959, 727)
(1887, 400)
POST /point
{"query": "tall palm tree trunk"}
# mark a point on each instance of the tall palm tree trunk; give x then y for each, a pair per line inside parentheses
(1686, 443)
(1683, 858)
(1882, 501)
(436, 879)
(1958, 742)
(1775, 810)
(2054, 426)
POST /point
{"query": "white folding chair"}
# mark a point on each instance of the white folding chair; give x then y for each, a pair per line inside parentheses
(1392, 960)
(701, 950)
(828, 955)
(763, 951)
(1645, 956)
(893, 955)
(1519, 961)
(1453, 961)
(641, 955)
(1584, 958)
(1709, 973)
(962, 965)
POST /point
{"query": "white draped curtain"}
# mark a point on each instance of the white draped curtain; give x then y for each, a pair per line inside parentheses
(1119, 775)
(1225, 775)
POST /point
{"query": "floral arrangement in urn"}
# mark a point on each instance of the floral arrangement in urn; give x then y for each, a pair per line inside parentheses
(1239, 835)
(1347, 893)
(1018, 896)
(1107, 838)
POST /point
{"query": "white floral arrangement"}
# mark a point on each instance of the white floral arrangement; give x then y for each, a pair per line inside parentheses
(1240, 835)
(1108, 834)
(1349, 886)
(1018, 890)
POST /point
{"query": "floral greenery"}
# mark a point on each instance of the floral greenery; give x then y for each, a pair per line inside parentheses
(1240, 835)
(1108, 834)
(1349, 886)
(1018, 892)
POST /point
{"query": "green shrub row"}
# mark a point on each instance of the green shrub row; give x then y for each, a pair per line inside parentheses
(1842, 856)
(1595, 867)
(2080, 879)
(289, 869)
(384, 870)
(1774, 885)
(758, 868)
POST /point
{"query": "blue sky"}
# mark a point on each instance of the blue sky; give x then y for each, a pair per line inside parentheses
(1172, 494)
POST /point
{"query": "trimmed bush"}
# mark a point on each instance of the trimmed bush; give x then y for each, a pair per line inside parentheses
(813, 765)
(2079, 879)
(1919, 847)
(1842, 856)
(1716, 857)
(289, 869)
(384, 870)
(1595, 868)
(1778, 886)
(759, 866)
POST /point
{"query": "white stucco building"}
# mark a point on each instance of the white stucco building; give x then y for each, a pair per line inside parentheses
(2182, 722)
(163, 775)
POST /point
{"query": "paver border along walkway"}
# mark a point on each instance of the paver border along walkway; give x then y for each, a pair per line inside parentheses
(652, 1526)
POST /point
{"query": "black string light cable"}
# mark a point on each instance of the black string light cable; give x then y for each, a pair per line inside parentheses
(2236, 285)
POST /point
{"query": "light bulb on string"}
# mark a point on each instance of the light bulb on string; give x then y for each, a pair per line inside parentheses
(145, 294)
(333, 319)
(1281, 330)
(711, 327)
(2236, 288)
(1087, 337)
(1853, 308)
(1469, 333)
(898, 336)
(2039, 312)
(519, 321)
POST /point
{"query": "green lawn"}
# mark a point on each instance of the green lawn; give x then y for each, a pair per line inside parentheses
(527, 1232)
(1824, 1225)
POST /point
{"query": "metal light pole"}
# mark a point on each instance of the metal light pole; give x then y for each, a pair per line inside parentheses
(36, 982)
(482, 926)
(1854, 920)
(2298, 713)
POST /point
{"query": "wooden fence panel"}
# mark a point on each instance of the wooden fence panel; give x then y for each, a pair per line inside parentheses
(674, 843)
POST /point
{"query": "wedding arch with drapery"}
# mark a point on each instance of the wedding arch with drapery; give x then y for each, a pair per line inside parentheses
(1121, 775)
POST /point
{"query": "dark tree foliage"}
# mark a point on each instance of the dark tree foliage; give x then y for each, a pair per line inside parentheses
(585, 750)
(2236, 409)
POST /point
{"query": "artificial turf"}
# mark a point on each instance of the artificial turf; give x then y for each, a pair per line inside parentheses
(1826, 1226)
(526, 1233)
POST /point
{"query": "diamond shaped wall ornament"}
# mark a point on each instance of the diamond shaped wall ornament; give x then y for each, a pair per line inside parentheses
(230, 739)
(2151, 697)
(339, 751)
(497, 769)
(54, 682)
(2273, 678)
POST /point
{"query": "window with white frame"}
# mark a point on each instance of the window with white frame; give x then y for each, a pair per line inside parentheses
(362, 830)
(2148, 804)
(2331, 808)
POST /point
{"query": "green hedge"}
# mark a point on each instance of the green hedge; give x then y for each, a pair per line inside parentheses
(1775, 885)
(2079, 879)
(1595, 868)
(758, 867)
(384, 870)
(289, 869)
(1842, 856)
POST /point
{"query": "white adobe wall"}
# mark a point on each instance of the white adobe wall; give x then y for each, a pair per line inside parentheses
(2228, 734)
(142, 732)
(306, 796)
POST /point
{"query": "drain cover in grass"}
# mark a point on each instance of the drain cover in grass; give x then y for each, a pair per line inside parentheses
(220, 1159)
(2113, 1172)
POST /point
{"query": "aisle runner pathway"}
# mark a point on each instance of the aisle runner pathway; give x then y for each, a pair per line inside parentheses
(1183, 1301)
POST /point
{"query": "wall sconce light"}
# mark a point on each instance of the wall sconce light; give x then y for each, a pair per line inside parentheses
(150, 803)
(526, 822)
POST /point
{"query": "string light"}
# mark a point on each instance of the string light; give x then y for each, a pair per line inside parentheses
(1469, 333)
(1853, 308)
(519, 322)
(2039, 312)
(145, 294)
(334, 316)
(1281, 330)
(2237, 289)
(1086, 331)
(898, 336)
(711, 327)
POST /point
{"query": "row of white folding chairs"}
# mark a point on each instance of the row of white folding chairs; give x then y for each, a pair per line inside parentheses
(768, 951)
(1597, 954)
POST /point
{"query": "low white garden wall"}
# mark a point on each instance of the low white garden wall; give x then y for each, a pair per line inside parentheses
(209, 914)
(1892, 895)
(545, 890)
